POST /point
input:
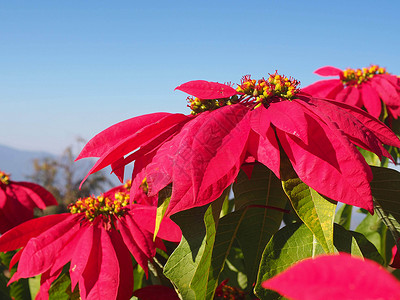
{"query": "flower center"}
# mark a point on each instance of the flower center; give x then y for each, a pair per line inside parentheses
(101, 206)
(199, 105)
(127, 185)
(264, 91)
(357, 76)
(275, 88)
(4, 178)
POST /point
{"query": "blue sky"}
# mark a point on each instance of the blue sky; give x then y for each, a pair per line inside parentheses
(70, 69)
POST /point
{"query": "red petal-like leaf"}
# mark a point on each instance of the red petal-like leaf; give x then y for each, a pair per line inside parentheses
(340, 119)
(136, 140)
(146, 217)
(377, 127)
(81, 255)
(146, 150)
(139, 173)
(143, 238)
(353, 98)
(17, 207)
(40, 196)
(330, 164)
(129, 240)
(348, 95)
(328, 71)
(324, 88)
(395, 258)
(333, 277)
(287, 116)
(393, 79)
(125, 266)
(371, 100)
(69, 250)
(265, 150)
(19, 236)
(101, 277)
(388, 93)
(106, 139)
(204, 158)
(207, 90)
(40, 253)
(15, 258)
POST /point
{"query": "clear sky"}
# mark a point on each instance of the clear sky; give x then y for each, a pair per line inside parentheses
(70, 69)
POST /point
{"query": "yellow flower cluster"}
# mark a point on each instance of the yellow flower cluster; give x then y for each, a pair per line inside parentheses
(4, 178)
(127, 185)
(200, 105)
(276, 86)
(101, 206)
(358, 76)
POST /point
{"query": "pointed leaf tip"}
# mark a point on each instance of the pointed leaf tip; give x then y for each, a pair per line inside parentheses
(328, 71)
(207, 90)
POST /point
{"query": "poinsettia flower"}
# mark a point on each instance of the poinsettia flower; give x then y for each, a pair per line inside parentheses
(18, 199)
(201, 154)
(367, 88)
(395, 263)
(96, 238)
(334, 277)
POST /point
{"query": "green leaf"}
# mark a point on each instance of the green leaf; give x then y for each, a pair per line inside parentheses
(138, 274)
(227, 207)
(296, 242)
(234, 268)
(262, 193)
(343, 216)
(292, 243)
(34, 285)
(59, 288)
(375, 231)
(4, 289)
(315, 210)
(371, 158)
(188, 266)
(18, 290)
(164, 197)
(200, 278)
(385, 188)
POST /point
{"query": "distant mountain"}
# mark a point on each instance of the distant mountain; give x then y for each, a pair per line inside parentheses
(19, 163)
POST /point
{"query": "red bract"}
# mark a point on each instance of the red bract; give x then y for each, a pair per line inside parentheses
(335, 277)
(395, 263)
(96, 238)
(18, 200)
(201, 155)
(207, 90)
(365, 88)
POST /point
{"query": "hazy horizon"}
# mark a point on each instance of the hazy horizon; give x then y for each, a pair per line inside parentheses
(71, 69)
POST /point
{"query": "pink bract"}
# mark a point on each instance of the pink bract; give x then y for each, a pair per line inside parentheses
(332, 277)
(395, 263)
(18, 200)
(367, 88)
(97, 246)
(207, 90)
(201, 155)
